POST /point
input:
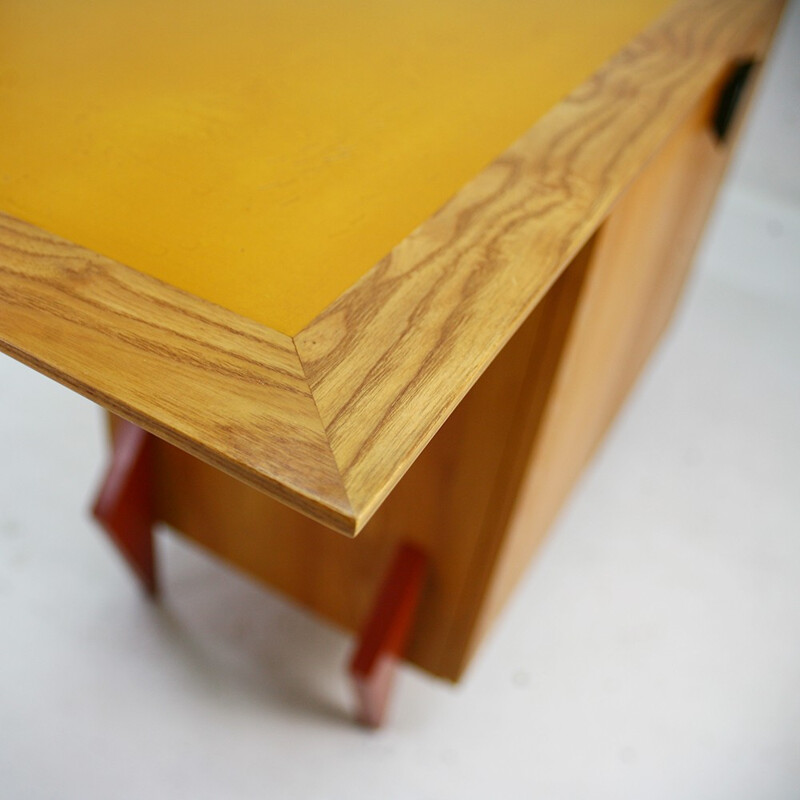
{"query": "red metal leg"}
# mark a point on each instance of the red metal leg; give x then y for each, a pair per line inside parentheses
(124, 506)
(384, 637)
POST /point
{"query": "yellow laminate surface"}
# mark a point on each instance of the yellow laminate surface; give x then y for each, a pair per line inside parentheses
(264, 155)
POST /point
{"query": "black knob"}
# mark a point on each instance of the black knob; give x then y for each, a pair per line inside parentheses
(730, 96)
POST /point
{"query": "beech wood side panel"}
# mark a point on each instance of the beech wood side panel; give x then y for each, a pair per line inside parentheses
(640, 262)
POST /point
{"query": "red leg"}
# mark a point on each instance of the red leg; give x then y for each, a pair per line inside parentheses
(384, 637)
(124, 506)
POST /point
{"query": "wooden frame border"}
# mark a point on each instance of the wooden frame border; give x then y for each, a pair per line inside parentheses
(328, 421)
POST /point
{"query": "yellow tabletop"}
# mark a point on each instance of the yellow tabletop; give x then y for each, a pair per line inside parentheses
(264, 155)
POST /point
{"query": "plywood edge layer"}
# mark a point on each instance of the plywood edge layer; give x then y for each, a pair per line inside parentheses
(221, 387)
(391, 358)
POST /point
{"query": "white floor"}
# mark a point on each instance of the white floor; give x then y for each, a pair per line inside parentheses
(653, 650)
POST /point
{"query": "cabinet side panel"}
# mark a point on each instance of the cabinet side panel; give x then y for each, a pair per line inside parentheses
(639, 266)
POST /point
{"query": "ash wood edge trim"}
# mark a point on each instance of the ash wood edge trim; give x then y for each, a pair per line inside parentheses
(389, 360)
(329, 421)
(223, 388)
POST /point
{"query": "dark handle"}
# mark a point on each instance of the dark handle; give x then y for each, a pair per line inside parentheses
(730, 96)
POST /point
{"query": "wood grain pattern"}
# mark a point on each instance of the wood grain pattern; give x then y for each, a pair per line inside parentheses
(392, 357)
(330, 421)
(225, 389)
